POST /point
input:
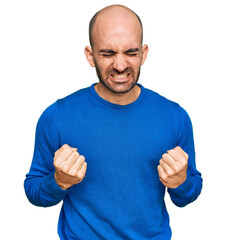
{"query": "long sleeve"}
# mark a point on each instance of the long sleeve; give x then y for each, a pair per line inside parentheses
(40, 185)
(191, 188)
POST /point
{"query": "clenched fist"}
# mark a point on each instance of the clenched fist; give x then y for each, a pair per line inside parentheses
(172, 167)
(70, 167)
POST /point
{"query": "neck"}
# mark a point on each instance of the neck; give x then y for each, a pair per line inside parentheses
(118, 98)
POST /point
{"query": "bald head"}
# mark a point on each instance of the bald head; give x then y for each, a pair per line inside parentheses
(111, 15)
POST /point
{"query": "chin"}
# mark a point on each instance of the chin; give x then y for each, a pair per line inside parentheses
(120, 87)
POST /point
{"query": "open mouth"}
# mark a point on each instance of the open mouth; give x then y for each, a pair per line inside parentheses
(120, 77)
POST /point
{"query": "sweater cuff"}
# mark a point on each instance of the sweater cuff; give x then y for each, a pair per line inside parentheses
(184, 188)
(53, 189)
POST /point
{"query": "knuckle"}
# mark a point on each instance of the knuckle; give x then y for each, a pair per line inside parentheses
(158, 168)
(86, 169)
(184, 165)
(170, 151)
(164, 178)
(67, 151)
(160, 171)
(182, 162)
(178, 148)
(177, 168)
(54, 159)
(82, 158)
(56, 162)
(85, 165)
(161, 162)
(186, 156)
(164, 156)
(65, 169)
(80, 175)
(65, 146)
(76, 155)
(75, 172)
(170, 173)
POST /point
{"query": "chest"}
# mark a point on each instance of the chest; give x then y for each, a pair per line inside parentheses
(120, 135)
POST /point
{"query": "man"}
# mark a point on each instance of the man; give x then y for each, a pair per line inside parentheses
(109, 151)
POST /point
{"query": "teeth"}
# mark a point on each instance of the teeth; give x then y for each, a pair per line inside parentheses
(119, 76)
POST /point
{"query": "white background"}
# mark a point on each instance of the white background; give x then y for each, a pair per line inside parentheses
(42, 59)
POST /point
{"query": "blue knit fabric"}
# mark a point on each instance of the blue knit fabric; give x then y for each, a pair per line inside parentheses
(121, 196)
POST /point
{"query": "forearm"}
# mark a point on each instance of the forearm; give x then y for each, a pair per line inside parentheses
(43, 190)
(188, 191)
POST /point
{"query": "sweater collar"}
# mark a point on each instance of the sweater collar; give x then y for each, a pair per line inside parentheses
(113, 105)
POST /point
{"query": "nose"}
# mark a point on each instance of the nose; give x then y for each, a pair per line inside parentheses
(120, 63)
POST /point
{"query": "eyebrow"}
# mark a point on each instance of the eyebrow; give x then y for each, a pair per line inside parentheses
(132, 50)
(109, 51)
(106, 51)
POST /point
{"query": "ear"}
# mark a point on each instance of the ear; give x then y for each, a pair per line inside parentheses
(144, 53)
(89, 56)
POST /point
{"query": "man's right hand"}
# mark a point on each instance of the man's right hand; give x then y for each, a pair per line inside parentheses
(70, 167)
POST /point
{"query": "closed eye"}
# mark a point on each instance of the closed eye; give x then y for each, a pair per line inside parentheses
(132, 52)
(107, 55)
(107, 52)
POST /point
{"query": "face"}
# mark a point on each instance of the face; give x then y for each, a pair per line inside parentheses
(115, 80)
(117, 53)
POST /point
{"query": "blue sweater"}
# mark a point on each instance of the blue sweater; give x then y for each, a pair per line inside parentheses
(121, 196)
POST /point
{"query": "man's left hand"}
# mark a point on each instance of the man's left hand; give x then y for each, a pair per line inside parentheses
(172, 167)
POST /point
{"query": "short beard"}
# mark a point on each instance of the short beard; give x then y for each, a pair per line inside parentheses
(108, 87)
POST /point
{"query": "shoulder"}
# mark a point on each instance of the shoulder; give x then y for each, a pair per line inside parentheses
(74, 98)
(63, 105)
(160, 102)
(166, 107)
(171, 113)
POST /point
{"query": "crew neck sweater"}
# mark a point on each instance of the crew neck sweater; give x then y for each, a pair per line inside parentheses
(121, 196)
